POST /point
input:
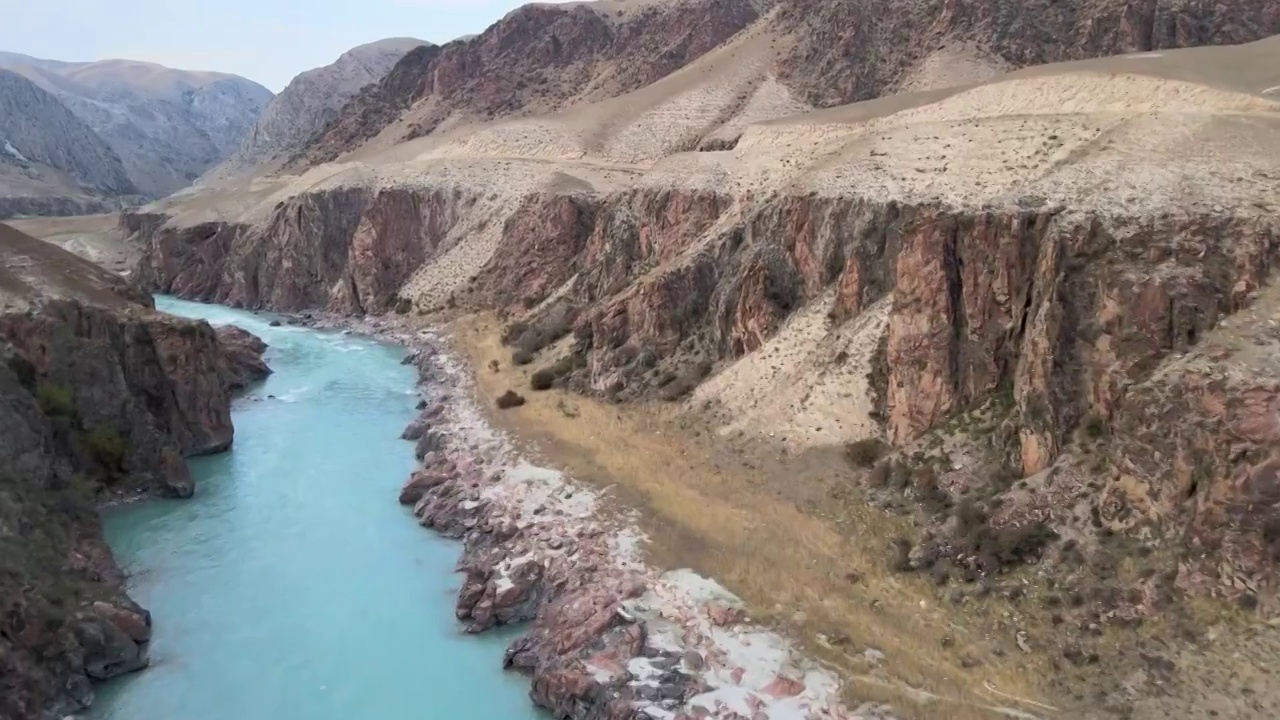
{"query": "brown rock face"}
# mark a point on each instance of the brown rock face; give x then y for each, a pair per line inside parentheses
(344, 250)
(94, 399)
(537, 59)
(241, 356)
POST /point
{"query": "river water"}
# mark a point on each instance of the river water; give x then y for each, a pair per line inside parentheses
(293, 587)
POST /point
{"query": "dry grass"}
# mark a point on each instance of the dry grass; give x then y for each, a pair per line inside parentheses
(720, 511)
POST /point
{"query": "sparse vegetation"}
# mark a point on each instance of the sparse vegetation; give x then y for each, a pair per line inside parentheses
(404, 306)
(56, 400)
(510, 399)
(686, 382)
(866, 453)
(545, 378)
(107, 447)
(995, 549)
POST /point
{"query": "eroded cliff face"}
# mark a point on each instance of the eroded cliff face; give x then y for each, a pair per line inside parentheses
(1060, 313)
(1064, 308)
(94, 402)
(347, 250)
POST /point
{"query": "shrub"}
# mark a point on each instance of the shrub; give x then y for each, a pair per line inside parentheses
(56, 401)
(1094, 427)
(107, 447)
(996, 549)
(547, 376)
(521, 357)
(880, 474)
(510, 399)
(543, 379)
(403, 306)
(865, 453)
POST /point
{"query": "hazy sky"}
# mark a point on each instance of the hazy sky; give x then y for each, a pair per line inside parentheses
(268, 41)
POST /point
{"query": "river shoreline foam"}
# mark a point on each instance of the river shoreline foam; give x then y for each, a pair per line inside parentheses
(607, 637)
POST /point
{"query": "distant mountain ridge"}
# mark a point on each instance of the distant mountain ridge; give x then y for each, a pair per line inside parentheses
(312, 100)
(167, 126)
(50, 160)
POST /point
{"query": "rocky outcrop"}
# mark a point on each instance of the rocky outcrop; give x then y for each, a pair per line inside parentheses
(537, 59)
(100, 396)
(346, 250)
(240, 356)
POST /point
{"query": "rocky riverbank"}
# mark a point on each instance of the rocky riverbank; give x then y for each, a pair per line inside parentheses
(607, 635)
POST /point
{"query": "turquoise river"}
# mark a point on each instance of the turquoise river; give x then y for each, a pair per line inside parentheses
(293, 586)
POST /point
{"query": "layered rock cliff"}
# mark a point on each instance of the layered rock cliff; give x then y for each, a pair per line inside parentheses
(100, 396)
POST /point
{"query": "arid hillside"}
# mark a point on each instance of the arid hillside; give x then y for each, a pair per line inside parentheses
(50, 161)
(547, 58)
(1031, 311)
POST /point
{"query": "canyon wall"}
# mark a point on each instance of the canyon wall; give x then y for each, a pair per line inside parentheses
(97, 400)
(1066, 309)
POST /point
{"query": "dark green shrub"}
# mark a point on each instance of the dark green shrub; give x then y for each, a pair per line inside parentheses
(403, 306)
(1094, 427)
(107, 447)
(521, 357)
(543, 379)
(56, 400)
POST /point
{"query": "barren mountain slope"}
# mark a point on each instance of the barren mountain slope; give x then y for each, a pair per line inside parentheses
(543, 58)
(168, 126)
(311, 100)
(50, 161)
(991, 278)
(539, 58)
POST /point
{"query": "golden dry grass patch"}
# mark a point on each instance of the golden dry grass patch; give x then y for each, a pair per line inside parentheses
(719, 511)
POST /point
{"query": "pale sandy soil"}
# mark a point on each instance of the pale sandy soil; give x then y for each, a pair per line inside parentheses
(816, 377)
(94, 237)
